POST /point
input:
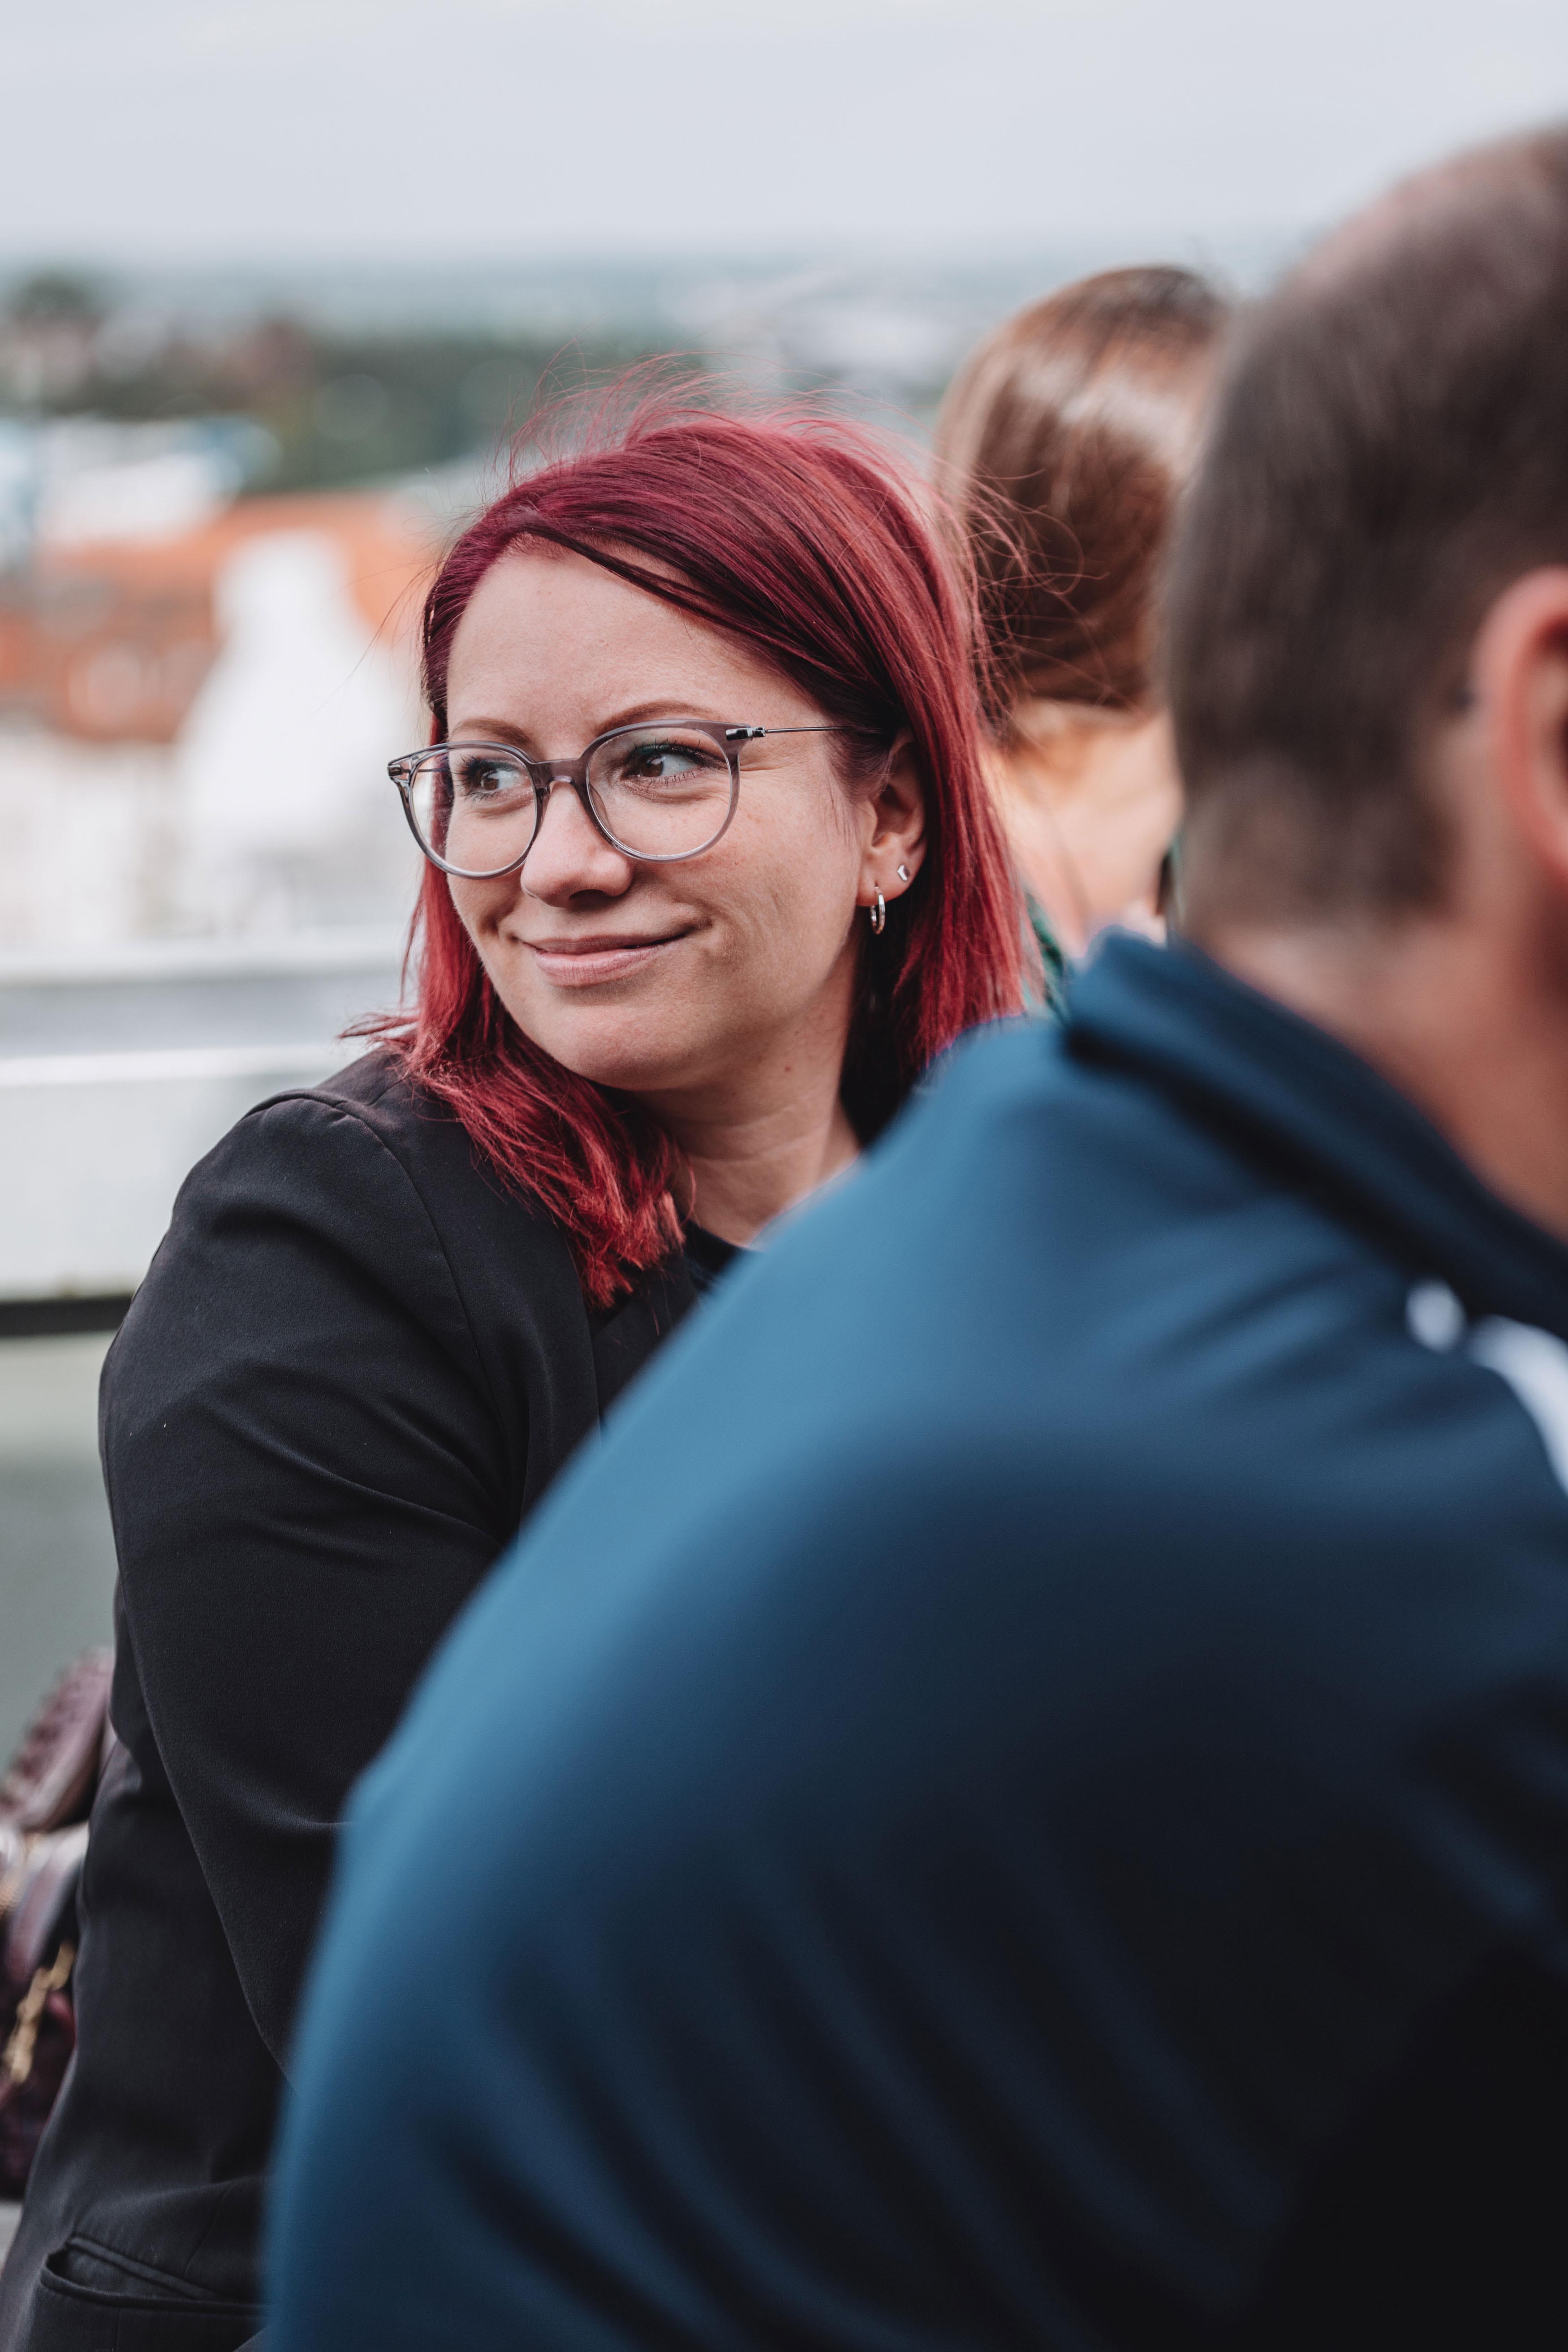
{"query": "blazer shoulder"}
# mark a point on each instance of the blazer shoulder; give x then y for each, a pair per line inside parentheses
(379, 1092)
(372, 1116)
(374, 1148)
(373, 1162)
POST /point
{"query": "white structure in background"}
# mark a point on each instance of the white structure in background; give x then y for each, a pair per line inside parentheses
(284, 810)
(94, 1147)
(90, 841)
(71, 480)
(119, 1069)
(149, 494)
(269, 811)
(186, 925)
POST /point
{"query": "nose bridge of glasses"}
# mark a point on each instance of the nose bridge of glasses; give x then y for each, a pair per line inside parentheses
(546, 774)
(573, 774)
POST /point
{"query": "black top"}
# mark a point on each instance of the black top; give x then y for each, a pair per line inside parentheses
(354, 1366)
(708, 1256)
(1047, 1824)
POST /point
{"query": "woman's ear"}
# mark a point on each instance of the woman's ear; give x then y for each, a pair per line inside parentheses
(896, 842)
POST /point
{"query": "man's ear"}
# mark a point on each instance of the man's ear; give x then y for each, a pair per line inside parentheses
(1519, 673)
(896, 845)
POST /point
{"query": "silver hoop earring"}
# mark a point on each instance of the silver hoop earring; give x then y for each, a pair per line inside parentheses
(879, 915)
(903, 873)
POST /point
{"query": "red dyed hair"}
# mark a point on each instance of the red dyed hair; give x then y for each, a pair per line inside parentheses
(799, 535)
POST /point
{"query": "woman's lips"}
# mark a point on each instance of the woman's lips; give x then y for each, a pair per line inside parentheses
(589, 962)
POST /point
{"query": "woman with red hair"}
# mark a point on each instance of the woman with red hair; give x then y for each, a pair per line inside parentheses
(711, 876)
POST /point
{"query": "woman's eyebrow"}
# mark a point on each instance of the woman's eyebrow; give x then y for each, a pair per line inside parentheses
(489, 731)
(656, 706)
(506, 730)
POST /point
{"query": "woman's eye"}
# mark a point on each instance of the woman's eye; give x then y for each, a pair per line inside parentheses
(484, 778)
(660, 759)
(662, 763)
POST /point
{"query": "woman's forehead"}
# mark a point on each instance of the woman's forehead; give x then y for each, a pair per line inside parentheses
(543, 619)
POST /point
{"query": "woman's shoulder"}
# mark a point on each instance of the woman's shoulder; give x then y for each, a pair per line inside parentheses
(377, 1091)
(349, 1135)
(360, 1207)
(374, 1167)
(372, 1123)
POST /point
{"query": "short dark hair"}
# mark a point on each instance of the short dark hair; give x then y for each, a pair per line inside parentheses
(1061, 446)
(1387, 450)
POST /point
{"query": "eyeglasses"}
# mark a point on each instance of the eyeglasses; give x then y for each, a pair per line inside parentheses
(658, 793)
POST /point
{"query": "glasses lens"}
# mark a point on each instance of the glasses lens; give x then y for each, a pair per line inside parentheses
(662, 791)
(474, 808)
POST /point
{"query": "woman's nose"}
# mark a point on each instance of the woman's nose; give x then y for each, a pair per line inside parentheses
(570, 855)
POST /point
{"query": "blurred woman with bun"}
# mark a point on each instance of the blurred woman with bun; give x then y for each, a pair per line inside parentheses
(1062, 446)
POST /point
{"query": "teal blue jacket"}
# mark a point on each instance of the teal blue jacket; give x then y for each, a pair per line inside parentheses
(1020, 1797)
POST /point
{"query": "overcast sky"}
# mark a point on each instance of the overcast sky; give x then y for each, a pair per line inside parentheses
(220, 129)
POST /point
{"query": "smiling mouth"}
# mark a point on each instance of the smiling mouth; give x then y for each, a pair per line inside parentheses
(582, 962)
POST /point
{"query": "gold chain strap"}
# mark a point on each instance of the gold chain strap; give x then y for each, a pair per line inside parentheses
(17, 2061)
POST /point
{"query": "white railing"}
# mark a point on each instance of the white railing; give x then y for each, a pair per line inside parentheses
(96, 1138)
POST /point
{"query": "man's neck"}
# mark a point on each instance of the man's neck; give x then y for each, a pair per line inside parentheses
(1474, 1038)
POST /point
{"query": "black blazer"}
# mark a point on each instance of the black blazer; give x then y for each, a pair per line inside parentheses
(354, 1366)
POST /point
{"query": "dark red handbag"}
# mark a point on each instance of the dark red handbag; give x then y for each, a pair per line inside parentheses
(44, 1799)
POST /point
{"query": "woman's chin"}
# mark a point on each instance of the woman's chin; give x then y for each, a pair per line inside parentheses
(634, 1065)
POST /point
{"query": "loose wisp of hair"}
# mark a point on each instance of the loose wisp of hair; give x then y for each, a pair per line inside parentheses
(802, 536)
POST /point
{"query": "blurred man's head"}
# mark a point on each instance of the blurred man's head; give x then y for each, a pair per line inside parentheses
(1369, 644)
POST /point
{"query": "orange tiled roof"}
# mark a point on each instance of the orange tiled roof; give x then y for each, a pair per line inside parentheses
(109, 641)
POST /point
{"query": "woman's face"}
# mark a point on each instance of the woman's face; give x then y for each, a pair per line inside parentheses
(663, 980)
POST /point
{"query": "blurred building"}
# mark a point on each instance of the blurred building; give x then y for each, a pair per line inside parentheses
(198, 697)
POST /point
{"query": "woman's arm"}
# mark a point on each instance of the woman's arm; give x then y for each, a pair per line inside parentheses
(307, 1480)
